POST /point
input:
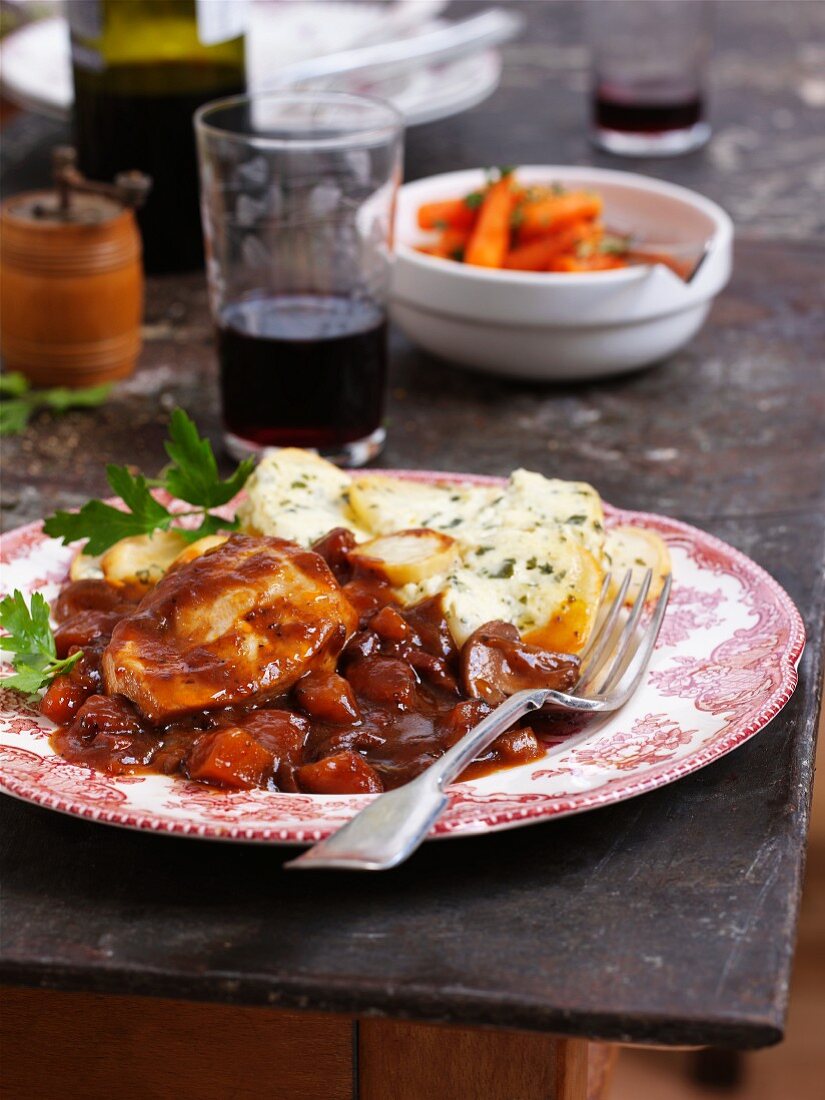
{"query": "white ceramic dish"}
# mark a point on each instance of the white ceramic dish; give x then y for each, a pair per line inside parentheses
(550, 326)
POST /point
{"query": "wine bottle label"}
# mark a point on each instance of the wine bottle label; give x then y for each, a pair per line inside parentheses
(220, 20)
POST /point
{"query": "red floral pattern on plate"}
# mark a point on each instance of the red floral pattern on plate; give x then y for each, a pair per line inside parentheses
(725, 666)
(651, 740)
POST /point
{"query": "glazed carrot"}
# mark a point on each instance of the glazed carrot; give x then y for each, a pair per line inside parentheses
(533, 256)
(449, 246)
(547, 215)
(455, 213)
(590, 263)
(490, 238)
(537, 253)
(452, 244)
(229, 757)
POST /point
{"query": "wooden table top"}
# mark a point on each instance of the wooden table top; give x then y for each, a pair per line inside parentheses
(667, 919)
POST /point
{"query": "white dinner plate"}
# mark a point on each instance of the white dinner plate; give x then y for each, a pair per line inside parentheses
(724, 666)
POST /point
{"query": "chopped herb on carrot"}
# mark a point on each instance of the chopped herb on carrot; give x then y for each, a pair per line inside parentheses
(528, 227)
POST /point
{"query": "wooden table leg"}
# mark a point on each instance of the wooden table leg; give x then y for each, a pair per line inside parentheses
(85, 1046)
(405, 1061)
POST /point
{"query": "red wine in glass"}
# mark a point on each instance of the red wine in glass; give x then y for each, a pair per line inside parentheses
(648, 109)
(302, 370)
(653, 113)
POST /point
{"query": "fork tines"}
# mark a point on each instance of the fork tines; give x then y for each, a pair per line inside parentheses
(617, 654)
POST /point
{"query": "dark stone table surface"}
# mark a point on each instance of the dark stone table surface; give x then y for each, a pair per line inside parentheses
(667, 919)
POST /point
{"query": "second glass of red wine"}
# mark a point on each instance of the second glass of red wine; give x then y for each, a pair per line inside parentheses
(648, 74)
(297, 198)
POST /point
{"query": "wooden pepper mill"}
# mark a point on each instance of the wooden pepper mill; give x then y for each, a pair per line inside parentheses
(71, 280)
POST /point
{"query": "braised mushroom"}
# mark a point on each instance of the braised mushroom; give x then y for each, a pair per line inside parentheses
(496, 663)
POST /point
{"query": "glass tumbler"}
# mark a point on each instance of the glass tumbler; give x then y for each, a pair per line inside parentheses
(648, 67)
(297, 200)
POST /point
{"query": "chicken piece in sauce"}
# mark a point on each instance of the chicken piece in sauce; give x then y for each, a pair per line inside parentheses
(239, 625)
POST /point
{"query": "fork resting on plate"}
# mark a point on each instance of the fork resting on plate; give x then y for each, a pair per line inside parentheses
(390, 829)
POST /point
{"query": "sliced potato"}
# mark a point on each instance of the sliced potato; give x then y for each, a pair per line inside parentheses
(195, 549)
(136, 564)
(384, 504)
(408, 557)
(637, 549)
(84, 567)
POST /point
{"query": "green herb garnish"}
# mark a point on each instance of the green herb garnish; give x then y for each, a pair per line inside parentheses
(31, 642)
(18, 400)
(506, 569)
(192, 476)
(613, 245)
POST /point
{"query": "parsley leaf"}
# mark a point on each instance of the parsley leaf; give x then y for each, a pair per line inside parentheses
(14, 416)
(193, 475)
(506, 570)
(13, 384)
(613, 245)
(61, 397)
(134, 492)
(18, 400)
(210, 525)
(30, 639)
(102, 524)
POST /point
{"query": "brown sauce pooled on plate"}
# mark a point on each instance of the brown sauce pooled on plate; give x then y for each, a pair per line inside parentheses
(297, 672)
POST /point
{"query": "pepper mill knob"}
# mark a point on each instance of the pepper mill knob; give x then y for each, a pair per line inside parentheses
(130, 189)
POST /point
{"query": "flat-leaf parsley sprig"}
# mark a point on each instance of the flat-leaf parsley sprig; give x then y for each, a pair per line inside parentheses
(192, 475)
(18, 400)
(31, 642)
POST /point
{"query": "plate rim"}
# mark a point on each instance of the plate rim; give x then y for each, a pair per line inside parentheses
(487, 819)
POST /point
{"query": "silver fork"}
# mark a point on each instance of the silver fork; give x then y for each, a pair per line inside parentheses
(390, 829)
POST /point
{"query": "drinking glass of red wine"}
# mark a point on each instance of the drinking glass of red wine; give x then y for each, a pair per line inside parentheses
(648, 69)
(297, 199)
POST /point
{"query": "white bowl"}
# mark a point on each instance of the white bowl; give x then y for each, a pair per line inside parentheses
(556, 326)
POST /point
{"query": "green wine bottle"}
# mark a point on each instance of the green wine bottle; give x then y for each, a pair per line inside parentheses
(141, 68)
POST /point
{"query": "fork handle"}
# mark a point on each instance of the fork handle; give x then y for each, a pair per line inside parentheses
(448, 766)
(390, 828)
